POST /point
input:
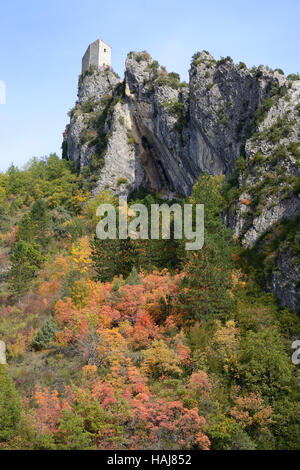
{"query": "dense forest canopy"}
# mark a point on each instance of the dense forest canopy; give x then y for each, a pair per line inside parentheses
(135, 344)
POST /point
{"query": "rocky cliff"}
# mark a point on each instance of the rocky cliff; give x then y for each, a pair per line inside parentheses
(150, 130)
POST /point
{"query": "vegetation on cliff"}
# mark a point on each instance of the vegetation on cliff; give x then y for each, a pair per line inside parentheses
(134, 344)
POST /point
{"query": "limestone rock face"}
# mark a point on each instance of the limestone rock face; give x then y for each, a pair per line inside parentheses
(223, 100)
(284, 279)
(271, 169)
(159, 107)
(152, 131)
(123, 171)
(97, 82)
(2, 352)
(94, 89)
(269, 183)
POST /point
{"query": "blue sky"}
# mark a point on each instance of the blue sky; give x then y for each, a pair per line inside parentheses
(42, 42)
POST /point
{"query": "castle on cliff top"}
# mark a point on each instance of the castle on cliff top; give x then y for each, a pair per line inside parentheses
(97, 54)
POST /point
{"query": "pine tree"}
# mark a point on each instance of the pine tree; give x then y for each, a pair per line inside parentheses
(133, 278)
(27, 229)
(10, 407)
(204, 292)
(113, 257)
(41, 218)
(208, 274)
(45, 335)
(25, 261)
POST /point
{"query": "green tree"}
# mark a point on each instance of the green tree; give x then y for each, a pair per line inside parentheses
(45, 335)
(205, 288)
(10, 407)
(25, 261)
(286, 423)
(112, 257)
(208, 191)
(263, 364)
(26, 229)
(71, 434)
(41, 219)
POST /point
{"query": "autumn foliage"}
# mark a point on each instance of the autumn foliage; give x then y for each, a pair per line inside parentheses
(134, 344)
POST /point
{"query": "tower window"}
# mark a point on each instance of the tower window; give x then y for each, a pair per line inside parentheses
(104, 50)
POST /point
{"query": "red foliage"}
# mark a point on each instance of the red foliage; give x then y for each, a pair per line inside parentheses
(152, 421)
(199, 382)
(49, 409)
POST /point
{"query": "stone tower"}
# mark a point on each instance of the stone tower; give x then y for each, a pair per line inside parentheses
(98, 53)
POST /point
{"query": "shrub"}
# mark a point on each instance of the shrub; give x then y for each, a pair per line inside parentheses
(258, 158)
(45, 335)
(72, 112)
(293, 77)
(89, 105)
(174, 76)
(223, 60)
(153, 67)
(281, 129)
(130, 138)
(296, 186)
(64, 148)
(106, 100)
(195, 59)
(262, 111)
(243, 66)
(142, 56)
(278, 92)
(176, 108)
(209, 86)
(122, 181)
(294, 148)
(171, 79)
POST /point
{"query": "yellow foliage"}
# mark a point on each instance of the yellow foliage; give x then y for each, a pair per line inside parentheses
(80, 292)
(81, 255)
(161, 360)
(78, 201)
(112, 346)
(225, 343)
(89, 371)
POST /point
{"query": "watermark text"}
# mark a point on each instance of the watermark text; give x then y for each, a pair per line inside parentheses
(179, 221)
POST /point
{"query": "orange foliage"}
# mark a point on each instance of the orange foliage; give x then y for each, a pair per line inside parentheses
(109, 325)
(124, 392)
(252, 411)
(246, 202)
(199, 382)
(49, 409)
(104, 308)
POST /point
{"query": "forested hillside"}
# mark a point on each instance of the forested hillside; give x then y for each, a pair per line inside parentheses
(135, 344)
